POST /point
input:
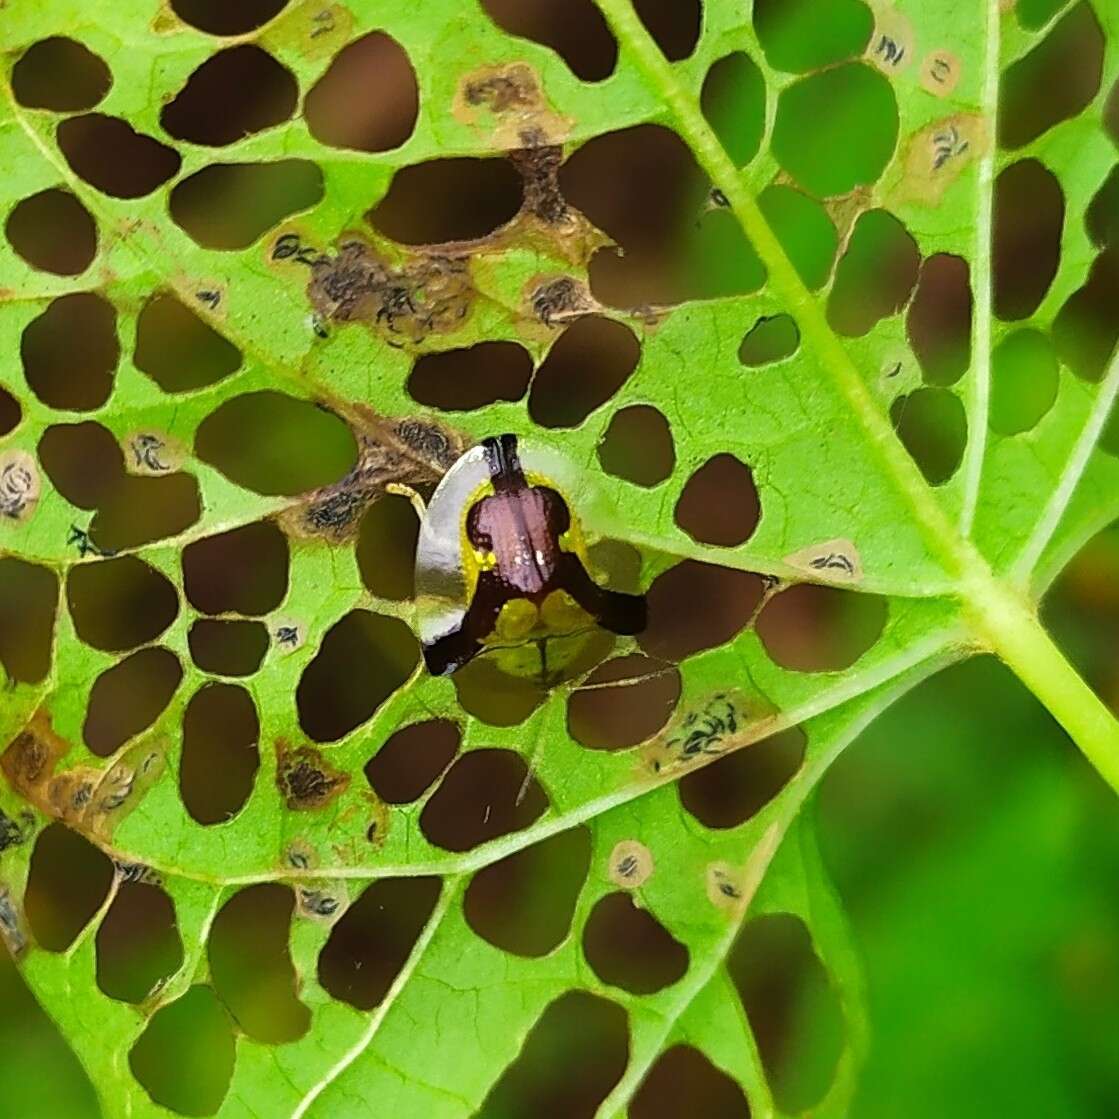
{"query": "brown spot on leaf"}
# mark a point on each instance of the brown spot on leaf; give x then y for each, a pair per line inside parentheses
(833, 560)
(558, 300)
(507, 102)
(940, 72)
(313, 28)
(11, 925)
(936, 156)
(19, 485)
(630, 864)
(306, 779)
(15, 832)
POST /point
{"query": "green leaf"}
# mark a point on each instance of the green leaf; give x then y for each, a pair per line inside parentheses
(217, 330)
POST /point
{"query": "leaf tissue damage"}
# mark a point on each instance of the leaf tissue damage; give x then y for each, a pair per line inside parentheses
(673, 270)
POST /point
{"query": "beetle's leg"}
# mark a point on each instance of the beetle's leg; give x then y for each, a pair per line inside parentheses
(448, 653)
(412, 495)
(620, 613)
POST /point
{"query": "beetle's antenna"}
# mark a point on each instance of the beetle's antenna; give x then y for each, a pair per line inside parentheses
(538, 746)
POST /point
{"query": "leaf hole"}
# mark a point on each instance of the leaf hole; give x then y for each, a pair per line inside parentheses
(53, 232)
(471, 377)
(576, 1031)
(178, 350)
(643, 695)
(114, 158)
(733, 101)
(251, 967)
(1086, 328)
(127, 698)
(83, 461)
(801, 35)
(637, 446)
(60, 74)
(628, 947)
(138, 943)
(197, 1030)
(587, 365)
(412, 760)
(684, 1082)
(10, 412)
(363, 659)
(140, 510)
(1102, 216)
(737, 787)
(272, 443)
(496, 697)
(575, 29)
(228, 648)
(221, 18)
(794, 1012)
(812, 628)
(478, 800)
(932, 425)
(228, 206)
(370, 944)
(771, 339)
(28, 605)
(117, 604)
(68, 883)
(938, 324)
(805, 230)
(674, 26)
(1024, 381)
(719, 503)
(233, 94)
(524, 904)
(442, 200)
(70, 352)
(221, 753)
(367, 100)
(243, 571)
(386, 548)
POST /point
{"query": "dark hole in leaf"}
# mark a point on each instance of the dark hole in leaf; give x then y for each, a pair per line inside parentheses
(127, 698)
(471, 377)
(932, 425)
(120, 603)
(456, 199)
(674, 25)
(1026, 243)
(589, 362)
(623, 702)
(684, 1082)
(110, 155)
(628, 947)
(1087, 328)
(811, 628)
(53, 231)
(234, 93)
(1035, 14)
(721, 262)
(1111, 113)
(60, 74)
(28, 604)
(386, 548)
(244, 571)
(373, 939)
(250, 964)
(836, 130)
(230, 205)
(178, 350)
(794, 1013)
(637, 446)
(68, 883)
(736, 787)
(221, 754)
(410, 762)
(641, 186)
(219, 17)
(272, 443)
(1024, 381)
(574, 29)
(70, 352)
(805, 230)
(138, 943)
(939, 319)
(495, 697)
(875, 275)
(1102, 217)
(719, 503)
(363, 659)
(770, 339)
(477, 800)
(524, 903)
(139, 511)
(1056, 81)
(733, 101)
(577, 1031)
(10, 412)
(618, 563)
(228, 648)
(799, 35)
(720, 602)
(197, 1030)
(368, 98)
(83, 461)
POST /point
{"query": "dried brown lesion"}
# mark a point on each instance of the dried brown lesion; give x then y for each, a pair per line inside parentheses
(305, 779)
